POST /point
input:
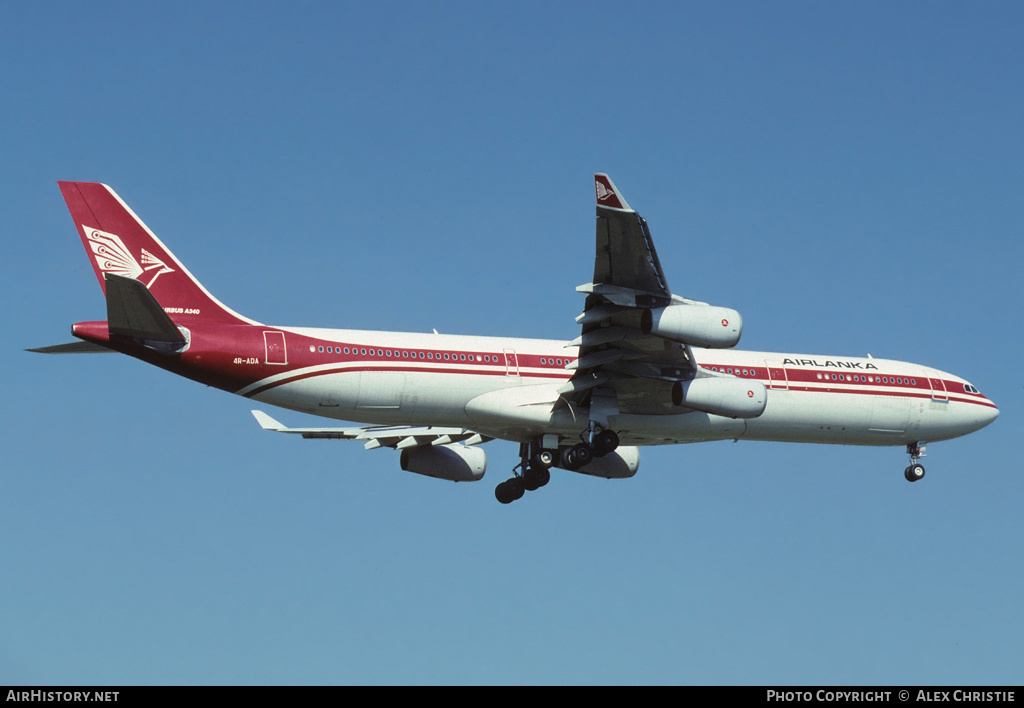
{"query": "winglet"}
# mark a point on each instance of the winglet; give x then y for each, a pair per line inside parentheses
(607, 195)
(266, 422)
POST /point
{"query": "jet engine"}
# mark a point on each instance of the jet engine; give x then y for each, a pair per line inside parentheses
(455, 462)
(619, 464)
(729, 397)
(700, 325)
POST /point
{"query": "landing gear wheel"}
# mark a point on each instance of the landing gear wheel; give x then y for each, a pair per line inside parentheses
(584, 454)
(502, 494)
(543, 476)
(516, 486)
(914, 472)
(544, 458)
(509, 490)
(916, 452)
(535, 478)
(604, 442)
(568, 459)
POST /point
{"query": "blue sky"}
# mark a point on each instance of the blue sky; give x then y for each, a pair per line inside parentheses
(847, 175)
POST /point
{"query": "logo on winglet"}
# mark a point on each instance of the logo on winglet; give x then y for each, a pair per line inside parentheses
(606, 194)
(112, 256)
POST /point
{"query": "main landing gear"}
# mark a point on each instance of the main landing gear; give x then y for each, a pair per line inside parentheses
(595, 442)
(534, 468)
(532, 473)
(916, 470)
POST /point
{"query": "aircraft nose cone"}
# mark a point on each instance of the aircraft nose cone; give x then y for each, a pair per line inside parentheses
(989, 415)
(981, 415)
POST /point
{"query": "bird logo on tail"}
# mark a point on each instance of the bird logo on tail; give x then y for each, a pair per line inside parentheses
(112, 256)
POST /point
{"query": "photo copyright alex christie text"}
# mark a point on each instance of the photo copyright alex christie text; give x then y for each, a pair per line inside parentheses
(834, 696)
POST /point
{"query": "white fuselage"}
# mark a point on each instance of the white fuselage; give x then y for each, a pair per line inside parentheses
(507, 388)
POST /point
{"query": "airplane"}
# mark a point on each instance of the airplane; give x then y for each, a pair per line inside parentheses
(649, 367)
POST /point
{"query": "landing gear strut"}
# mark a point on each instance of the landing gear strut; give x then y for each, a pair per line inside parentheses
(916, 470)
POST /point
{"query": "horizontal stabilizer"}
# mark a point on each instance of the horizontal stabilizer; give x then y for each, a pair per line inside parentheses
(73, 348)
(132, 311)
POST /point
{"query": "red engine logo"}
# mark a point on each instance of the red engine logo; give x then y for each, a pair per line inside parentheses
(750, 394)
(725, 323)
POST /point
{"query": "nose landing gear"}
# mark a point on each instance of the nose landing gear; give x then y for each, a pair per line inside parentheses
(916, 470)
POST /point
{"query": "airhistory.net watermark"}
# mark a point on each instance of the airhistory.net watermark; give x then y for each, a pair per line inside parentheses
(62, 696)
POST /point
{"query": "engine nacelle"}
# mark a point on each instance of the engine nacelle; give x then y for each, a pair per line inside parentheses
(455, 462)
(700, 325)
(620, 464)
(732, 398)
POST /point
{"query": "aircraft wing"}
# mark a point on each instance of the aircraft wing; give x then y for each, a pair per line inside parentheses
(622, 366)
(397, 437)
(626, 269)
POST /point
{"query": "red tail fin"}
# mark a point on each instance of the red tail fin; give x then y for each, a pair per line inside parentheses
(118, 242)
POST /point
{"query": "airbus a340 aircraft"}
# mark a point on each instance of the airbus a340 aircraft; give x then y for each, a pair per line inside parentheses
(649, 367)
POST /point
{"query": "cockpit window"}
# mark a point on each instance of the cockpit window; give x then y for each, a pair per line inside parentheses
(970, 389)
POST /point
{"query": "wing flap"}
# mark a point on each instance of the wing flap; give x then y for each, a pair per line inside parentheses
(398, 437)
